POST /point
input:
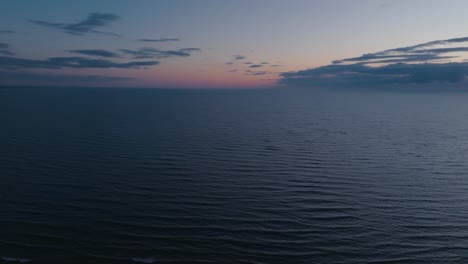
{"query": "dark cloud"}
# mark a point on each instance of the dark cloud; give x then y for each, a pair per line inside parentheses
(88, 25)
(69, 62)
(6, 31)
(159, 40)
(256, 66)
(249, 62)
(171, 53)
(236, 57)
(235, 70)
(96, 52)
(430, 62)
(405, 59)
(420, 52)
(6, 53)
(359, 74)
(256, 73)
(442, 50)
(275, 65)
(265, 62)
(414, 56)
(190, 49)
(148, 53)
(429, 44)
(29, 78)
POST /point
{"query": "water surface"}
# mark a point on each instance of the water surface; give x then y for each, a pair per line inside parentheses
(232, 176)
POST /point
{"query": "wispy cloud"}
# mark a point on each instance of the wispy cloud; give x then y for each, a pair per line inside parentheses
(7, 53)
(7, 31)
(4, 49)
(21, 78)
(148, 53)
(96, 52)
(159, 40)
(430, 62)
(256, 66)
(190, 49)
(256, 73)
(238, 57)
(417, 53)
(87, 25)
(69, 62)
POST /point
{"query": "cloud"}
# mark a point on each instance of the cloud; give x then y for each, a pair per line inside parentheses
(6, 31)
(256, 73)
(88, 25)
(23, 78)
(249, 62)
(398, 73)
(159, 40)
(7, 53)
(190, 49)
(235, 70)
(430, 62)
(238, 57)
(96, 52)
(69, 62)
(419, 52)
(234, 58)
(265, 62)
(419, 58)
(256, 66)
(148, 53)
(4, 51)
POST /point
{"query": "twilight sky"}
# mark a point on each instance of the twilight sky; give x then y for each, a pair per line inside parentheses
(243, 43)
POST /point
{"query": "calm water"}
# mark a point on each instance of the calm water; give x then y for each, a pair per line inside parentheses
(264, 176)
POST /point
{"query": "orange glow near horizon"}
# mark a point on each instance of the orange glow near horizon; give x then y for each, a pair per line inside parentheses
(212, 78)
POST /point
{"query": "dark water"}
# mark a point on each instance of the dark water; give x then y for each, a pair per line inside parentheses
(264, 176)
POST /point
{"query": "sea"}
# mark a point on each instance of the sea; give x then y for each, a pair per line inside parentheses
(281, 175)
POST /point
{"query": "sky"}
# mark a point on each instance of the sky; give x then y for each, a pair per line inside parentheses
(226, 44)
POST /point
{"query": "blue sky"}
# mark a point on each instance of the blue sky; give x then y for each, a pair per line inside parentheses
(274, 41)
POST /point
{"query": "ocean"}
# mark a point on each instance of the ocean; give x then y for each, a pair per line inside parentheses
(114, 175)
